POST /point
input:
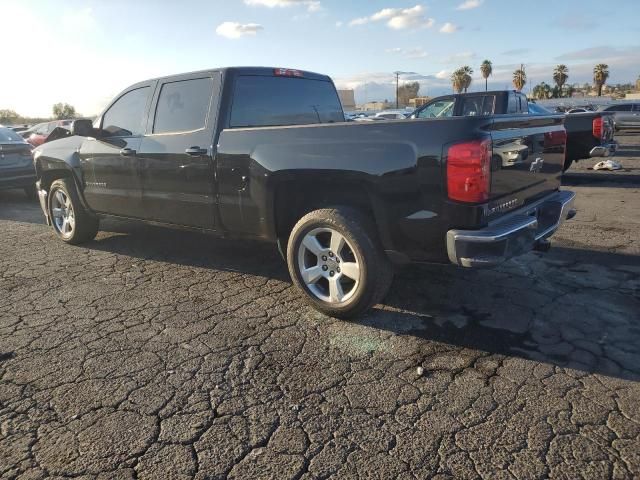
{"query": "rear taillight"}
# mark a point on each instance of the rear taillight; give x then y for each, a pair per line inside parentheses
(598, 127)
(469, 171)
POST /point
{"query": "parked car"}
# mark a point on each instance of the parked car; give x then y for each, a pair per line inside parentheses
(626, 115)
(588, 134)
(266, 153)
(38, 134)
(16, 163)
(392, 115)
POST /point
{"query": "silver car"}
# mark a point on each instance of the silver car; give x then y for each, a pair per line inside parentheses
(626, 115)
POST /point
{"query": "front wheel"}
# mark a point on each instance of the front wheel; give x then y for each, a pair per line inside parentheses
(71, 222)
(335, 259)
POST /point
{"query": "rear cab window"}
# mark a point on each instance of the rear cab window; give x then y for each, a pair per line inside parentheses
(265, 101)
(478, 105)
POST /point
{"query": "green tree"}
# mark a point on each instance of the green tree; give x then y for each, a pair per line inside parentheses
(519, 78)
(408, 91)
(486, 68)
(467, 71)
(8, 116)
(600, 76)
(64, 111)
(560, 76)
(457, 80)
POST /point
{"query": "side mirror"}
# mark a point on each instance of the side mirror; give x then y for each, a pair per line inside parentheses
(82, 127)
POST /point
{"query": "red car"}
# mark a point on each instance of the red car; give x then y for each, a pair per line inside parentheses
(38, 134)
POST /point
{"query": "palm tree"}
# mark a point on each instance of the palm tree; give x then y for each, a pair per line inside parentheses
(457, 80)
(467, 71)
(486, 69)
(560, 76)
(600, 76)
(519, 78)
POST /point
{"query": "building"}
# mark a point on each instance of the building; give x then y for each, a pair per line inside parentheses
(348, 99)
(376, 106)
(418, 101)
(632, 96)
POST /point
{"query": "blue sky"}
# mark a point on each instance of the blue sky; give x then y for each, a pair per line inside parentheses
(85, 51)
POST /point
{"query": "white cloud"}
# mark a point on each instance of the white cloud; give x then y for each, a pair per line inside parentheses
(417, 52)
(312, 5)
(236, 30)
(448, 28)
(398, 18)
(459, 57)
(339, 24)
(442, 74)
(469, 4)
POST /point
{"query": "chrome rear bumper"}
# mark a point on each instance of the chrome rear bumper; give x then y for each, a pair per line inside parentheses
(608, 150)
(514, 234)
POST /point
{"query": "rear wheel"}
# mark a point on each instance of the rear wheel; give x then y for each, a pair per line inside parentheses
(71, 222)
(334, 257)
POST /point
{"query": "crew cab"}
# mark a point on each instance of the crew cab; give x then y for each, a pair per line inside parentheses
(265, 153)
(589, 134)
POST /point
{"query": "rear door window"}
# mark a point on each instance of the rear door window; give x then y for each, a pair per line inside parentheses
(478, 105)
(261, 101)
(512, 107)
(183, 106)
(125, 118)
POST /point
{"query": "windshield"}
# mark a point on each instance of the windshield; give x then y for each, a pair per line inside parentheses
(8, 135)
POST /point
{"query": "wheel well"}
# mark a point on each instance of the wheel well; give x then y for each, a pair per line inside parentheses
(294, 199)
(48, 177)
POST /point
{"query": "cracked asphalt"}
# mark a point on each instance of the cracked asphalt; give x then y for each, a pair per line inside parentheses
(156, 354)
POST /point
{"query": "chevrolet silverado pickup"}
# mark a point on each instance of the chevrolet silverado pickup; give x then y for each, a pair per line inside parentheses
(266, 153)
(589, 134)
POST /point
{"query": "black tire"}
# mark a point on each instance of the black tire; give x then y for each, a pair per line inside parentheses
(567, 164)
(375, 269)
(85, 226)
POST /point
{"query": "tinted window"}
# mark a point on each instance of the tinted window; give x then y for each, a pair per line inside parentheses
(512, 107)
(523, 104)
(478, 105)
(183, 106)
(636, 107)
(619, 108)
(8, 135)
(125, 117)
(440, 108)
(263, 101)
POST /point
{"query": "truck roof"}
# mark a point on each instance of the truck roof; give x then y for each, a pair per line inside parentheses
(265, 71)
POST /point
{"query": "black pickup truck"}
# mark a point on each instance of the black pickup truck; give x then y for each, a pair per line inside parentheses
(589, 134)
(265, 153)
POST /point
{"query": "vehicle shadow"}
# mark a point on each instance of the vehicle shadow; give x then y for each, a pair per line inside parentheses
(190, 248)
(17, 207)
(547, 308)
(620, 179)
(552, 309)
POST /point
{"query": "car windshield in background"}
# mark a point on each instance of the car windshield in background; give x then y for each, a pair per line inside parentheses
(8, 135)
(535, 109)
(261, 101)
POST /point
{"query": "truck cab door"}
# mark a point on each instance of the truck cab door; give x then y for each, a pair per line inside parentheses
(177, 173)
(110, 161)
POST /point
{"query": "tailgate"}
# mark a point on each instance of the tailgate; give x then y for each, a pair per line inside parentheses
(527, 159)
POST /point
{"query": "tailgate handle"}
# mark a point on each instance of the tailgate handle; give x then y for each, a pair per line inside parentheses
(127, 152)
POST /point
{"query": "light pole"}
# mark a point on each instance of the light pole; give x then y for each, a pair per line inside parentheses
(397, 74)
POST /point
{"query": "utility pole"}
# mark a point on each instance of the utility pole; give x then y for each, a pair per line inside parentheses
(397, 74)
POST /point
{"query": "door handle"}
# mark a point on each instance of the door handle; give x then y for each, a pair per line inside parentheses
(196, 151)
(127, 152)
